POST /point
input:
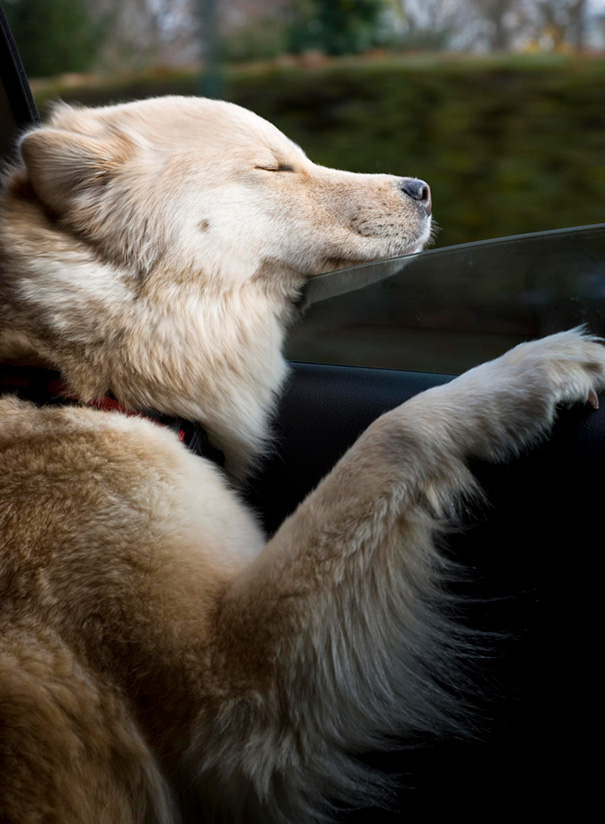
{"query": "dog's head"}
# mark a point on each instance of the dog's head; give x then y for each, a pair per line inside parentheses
(216, 188)
(153, 249)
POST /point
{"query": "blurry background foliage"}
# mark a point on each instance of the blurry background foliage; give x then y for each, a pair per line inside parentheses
(499, 104)
(55, 37)
(335, 26)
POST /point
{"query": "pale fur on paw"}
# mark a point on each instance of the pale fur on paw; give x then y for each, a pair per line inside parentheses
(505, 405)
(573, 362)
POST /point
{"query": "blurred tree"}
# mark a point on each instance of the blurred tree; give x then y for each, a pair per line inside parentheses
(212, 78)
(433, 25)
(499, 25)
(501, 21)
(577, 18)
(564, 21)
(254, 29)
(336, 26)
(54, 37)
(140, 33)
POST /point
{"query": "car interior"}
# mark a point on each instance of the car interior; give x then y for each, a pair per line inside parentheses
(528, 580)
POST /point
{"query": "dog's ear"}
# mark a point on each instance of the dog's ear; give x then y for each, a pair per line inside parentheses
(63, 164)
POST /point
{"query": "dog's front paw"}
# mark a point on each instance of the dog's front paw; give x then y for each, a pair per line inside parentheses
(568, 367)
(534, 378)
(502, 406)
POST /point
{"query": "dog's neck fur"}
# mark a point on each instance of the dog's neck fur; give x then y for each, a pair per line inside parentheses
(158, 341)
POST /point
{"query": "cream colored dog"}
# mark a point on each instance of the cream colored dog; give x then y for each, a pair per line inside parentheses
(153, 645)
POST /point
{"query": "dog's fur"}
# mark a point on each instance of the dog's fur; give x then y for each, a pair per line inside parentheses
(152, 644)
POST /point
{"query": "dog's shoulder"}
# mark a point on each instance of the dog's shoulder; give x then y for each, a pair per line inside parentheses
(70, 471)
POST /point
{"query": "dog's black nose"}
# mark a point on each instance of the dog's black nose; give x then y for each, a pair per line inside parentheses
(417, 190)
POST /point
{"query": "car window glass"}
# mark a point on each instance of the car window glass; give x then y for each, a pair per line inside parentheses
(446, 310)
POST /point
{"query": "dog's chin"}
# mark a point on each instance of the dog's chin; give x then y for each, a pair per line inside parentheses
(333, 264)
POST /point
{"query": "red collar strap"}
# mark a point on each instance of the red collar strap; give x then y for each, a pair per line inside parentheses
(46, 388)
(109, 404)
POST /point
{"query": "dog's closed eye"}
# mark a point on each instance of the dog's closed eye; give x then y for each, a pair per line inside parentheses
(281, 167)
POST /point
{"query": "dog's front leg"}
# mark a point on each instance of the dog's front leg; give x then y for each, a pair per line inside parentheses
(337, 635)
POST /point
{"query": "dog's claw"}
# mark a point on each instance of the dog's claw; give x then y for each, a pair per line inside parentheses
(593, 399)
